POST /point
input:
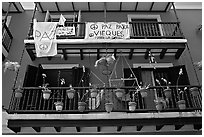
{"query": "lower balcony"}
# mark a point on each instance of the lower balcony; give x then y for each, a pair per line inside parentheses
(32, 114)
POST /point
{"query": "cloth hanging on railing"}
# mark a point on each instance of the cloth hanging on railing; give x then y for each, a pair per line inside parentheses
(44, 37)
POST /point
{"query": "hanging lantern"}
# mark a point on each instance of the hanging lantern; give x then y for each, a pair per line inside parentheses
(58, 105)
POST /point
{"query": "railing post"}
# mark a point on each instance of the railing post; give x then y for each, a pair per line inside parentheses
(31, 23)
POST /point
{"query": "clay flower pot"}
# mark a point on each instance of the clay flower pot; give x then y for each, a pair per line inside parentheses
(132, 106)
(119, 92)
(159, 106)
(194, 91)
(58, 106)
(143, 92)
(109, 107)
(18, 93)
(93, 92)
(46, 93)
(181, 104)
(70, 93)
(81, 106)
(167, 93)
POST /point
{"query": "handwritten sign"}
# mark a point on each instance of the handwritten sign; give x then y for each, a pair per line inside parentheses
(65, 31)
(108, 30)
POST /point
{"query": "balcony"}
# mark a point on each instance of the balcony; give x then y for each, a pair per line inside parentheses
(32, 100)
(32, 112)
(6, 39)
(161, 37)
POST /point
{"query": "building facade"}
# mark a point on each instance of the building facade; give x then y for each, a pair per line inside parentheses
(105, 47)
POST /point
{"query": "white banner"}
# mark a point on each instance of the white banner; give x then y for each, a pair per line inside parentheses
(44, 36)
(108, 30)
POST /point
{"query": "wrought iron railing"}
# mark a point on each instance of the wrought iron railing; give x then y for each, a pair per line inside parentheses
(138, 30)
(6, 37)
(33, 101)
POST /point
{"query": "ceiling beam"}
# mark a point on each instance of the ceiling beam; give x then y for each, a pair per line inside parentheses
(15, 129)
(89, 6)
(177, 127)
(159, 127)
(73, 6)
(98, 53)
(37, 129)
(31, 54)
(58, 129)
(78, 129)
(49, 58)
(131, 53)
(14, 4)
(147, 53)
(119, 128)
(81, 54)
(178, 53)
(167, 6)
(58, 9)
(151, 6)
(40, 6)
(136, 5)
(121, 6)
(64, 54)
(98, 129)
(139, 128)
(115, 52)
(163, 53)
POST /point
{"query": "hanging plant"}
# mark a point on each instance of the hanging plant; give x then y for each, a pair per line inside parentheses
(167, 91)
(13, 66)
(70, 92)
(119, 92)
(59, 105)
(143, 90)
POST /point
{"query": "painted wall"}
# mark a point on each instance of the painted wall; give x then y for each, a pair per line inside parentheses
(20, 25)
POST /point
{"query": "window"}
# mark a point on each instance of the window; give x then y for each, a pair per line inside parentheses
(145, 25)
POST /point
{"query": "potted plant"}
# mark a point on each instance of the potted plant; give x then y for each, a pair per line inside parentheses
(18, 92)
(181, 103)
(119, 92)
(81, 104)
(167, 90)
(59, 105)
(46, 92)
(143, 90)
(70, 92)
(93, 91)
(160, 103)
(108, 107)
(194, 91)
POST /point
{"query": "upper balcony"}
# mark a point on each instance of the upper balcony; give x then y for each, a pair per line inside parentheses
(161, 37)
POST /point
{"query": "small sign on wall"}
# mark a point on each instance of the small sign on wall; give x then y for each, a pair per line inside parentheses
(65, 31)
(107, 30)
